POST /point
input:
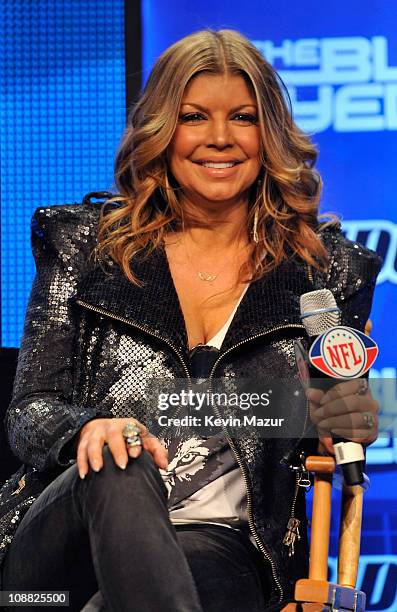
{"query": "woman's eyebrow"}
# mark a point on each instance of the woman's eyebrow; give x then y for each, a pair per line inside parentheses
(232, 110)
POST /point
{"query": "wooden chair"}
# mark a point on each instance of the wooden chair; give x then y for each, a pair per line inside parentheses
(315, 593)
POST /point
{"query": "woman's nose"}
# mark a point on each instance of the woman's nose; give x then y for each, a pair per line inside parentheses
(220, 134)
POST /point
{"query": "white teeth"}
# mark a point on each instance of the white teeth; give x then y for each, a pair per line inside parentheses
(219, 165)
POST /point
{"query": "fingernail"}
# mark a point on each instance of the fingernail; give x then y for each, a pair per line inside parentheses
(134, 452)
(82, 475)
(122, 465)
(96, 467)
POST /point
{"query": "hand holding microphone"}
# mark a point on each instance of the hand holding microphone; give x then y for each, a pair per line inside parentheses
(340, 401)
(347, 410)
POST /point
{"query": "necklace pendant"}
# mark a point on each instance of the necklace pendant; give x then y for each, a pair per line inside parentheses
(206, 277)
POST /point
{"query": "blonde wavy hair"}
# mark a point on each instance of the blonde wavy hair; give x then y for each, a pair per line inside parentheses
(148, 205)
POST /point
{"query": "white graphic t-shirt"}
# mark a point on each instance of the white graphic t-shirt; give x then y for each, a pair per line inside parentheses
(203, 480)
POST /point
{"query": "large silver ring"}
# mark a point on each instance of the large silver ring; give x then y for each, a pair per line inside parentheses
(369, 420)
(132, 435)
(362, 386)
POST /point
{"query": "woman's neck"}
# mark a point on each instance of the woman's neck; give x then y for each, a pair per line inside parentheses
(215, 229)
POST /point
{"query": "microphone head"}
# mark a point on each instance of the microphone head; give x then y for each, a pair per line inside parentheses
(319, 311)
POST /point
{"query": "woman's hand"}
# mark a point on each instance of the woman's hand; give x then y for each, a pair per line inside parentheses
(345, 412)
(96, 433)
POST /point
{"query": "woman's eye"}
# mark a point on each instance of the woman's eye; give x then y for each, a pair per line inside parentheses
(245, 118)
(190, 117)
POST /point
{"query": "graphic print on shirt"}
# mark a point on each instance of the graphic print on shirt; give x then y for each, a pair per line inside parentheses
(194, 463)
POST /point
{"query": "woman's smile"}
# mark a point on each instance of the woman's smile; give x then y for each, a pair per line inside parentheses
(219, 169)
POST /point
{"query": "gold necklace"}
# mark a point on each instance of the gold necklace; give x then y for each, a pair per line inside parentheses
(203, 276)
(209, 277)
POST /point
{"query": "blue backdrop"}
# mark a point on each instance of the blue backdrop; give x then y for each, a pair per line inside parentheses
(62, 114)
(339, 60)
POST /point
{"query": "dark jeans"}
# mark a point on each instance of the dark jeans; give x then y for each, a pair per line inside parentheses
(112, 531)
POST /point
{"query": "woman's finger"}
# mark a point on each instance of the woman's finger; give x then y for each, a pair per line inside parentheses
(325, 445)
(350, 421)
(117, 446)
(86, 432)
(314, 395)
(135, 451)
(336, 408)
(95, 445)
(150, 443)
(344, 406)
(361, 436)
(356, 425)
(82, 459)
(157, 450)
(356, 386)
(139, 432)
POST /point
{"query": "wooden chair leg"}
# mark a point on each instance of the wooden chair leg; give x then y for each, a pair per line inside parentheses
(315, 592)
(349, 535)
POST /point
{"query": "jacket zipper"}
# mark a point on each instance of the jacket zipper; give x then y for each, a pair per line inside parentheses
(292, 534)
(262, 547)
(21, 485)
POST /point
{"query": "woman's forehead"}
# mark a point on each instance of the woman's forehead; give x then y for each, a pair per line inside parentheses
(207, 85)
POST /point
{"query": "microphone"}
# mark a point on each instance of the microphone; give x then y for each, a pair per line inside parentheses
(320, 314)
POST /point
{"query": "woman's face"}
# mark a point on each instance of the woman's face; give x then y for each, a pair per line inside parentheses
(214, 154)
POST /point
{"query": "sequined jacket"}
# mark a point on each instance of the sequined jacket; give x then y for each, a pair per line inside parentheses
(92, 340)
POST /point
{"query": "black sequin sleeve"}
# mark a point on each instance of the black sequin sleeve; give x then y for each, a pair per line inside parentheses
(352, 277)
(42, 419)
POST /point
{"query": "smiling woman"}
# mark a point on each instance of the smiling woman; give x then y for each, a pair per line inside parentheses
(192, 272)
(215, 152)
(235, 104)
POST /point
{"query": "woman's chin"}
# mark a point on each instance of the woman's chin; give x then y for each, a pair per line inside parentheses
(216, 198)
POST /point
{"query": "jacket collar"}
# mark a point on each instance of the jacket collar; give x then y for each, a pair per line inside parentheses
(268, 303)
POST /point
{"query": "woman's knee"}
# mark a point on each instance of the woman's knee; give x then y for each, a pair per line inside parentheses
(142, 470)
(142, 463)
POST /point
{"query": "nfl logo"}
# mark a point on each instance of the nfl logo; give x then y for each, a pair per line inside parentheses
(343, 352)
